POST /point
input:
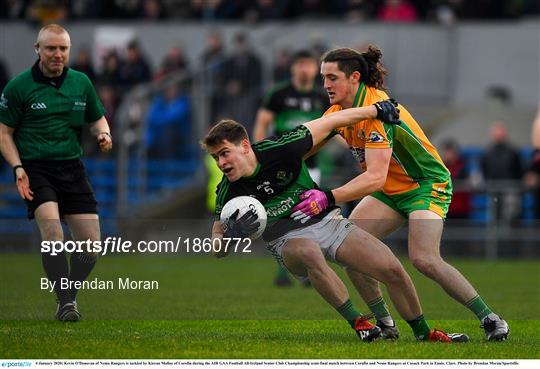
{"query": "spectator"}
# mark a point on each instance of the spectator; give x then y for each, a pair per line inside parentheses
(213, 52)
(47, 11)
(135, 69)
(242, 80)
(213, 59)
(179, 8)
(153, 10)
(318, 47)
(359, 10)
(111, 70)
(493, 9)
(123, 8)
(313, 8)
(110, 10)
(169, 133)
(175, 61)
(501, 162)
(210, 10)
(243, 68)
(263, 10)
(282, 65)
(84, 64)
(13, 9)
(444, 12)
(460, 207)
(110, 101)
(397, 11)
(85, 9)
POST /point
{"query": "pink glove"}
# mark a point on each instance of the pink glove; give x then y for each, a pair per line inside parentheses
(314, 201)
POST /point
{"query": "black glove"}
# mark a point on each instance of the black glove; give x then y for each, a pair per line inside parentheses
(243, 227)
(387, 111)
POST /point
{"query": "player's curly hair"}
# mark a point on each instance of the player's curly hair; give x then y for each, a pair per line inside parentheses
(226, 129)
(367, 63)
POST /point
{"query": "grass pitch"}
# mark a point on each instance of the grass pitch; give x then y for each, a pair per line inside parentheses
(209, 308)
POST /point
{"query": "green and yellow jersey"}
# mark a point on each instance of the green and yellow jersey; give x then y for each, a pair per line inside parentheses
(415, 163)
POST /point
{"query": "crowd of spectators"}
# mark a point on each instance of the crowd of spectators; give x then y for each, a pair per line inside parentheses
(501, 171)
(234, 86)
(444, 11)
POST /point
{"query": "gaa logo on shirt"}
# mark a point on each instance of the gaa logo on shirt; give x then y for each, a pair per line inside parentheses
(375, 136)
(38, 106)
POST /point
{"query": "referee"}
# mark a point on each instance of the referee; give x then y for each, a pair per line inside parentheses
(42, 114)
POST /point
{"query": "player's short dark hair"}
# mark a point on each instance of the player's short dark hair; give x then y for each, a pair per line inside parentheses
(367, 63)
(303, 54)
(226, 129)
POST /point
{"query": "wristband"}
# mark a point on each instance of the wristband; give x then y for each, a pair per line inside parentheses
(15, 171)
(330, 197)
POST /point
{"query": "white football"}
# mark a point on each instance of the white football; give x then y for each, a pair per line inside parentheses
(245, 204)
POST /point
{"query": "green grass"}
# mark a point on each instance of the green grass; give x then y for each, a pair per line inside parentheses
(209, 308)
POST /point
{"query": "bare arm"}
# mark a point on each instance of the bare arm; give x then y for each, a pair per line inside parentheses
(315, 149)
(372, 180)
(264, 118)
(11, 154)
(217, 233)
(7, 145)
(100, 129)
(320, 128)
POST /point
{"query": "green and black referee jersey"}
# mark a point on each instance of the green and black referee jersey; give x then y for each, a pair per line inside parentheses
(280, 178)
(292, 107)
(48, 115)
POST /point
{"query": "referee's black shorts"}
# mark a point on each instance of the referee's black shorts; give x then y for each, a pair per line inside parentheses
(61, 181)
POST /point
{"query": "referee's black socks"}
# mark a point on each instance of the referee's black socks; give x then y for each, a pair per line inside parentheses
(56, 267)
(81, 266)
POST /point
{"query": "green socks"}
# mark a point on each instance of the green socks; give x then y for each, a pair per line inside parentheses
(478, 307)
(282, 272)
(349, 312)
(420, 327)
(379, 308)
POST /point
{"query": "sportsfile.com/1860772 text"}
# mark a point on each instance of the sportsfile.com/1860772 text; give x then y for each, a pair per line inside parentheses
(180, 245)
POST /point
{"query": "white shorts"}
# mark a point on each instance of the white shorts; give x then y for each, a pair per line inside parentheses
(315, 174)
(329, 234)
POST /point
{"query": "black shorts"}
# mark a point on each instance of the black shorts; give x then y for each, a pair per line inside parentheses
(61, 181)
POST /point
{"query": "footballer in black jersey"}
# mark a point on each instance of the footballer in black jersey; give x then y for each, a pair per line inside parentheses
(274, 172)
(281, 175)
